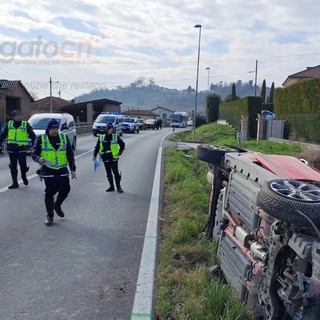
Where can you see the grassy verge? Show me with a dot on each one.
(185, 287)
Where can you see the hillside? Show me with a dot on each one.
(141, 96)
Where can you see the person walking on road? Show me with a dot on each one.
(18, 133)
(110, 146)
(54, 153)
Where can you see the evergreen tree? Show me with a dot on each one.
(212, 107)
(271, 94)
(263, 91)
(233, 92)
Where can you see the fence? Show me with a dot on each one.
(84, 127)
(304, 127)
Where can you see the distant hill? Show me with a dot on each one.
(141, 96)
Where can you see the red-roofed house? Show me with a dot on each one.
(43, 105)
(144, 114)
(309, 73)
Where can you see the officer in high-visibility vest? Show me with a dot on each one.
(110, 146)
(54, 153)
(18, 133)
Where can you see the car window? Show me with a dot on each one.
(130, 120)
(105, 119)
(40, 123)
(71, 123)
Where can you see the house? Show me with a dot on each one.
(14, 95)
(144, 114)
(309, 73)
(88, 111)
(164, 114)
(44, 105)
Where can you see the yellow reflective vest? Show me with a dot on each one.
(114, 145)
(55, 159)
(19, 135)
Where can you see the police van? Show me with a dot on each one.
(103, 119)
(39, 123)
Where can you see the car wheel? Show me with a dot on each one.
(94, 133)
(282, 199)
(138, 131)
(212, 154)
(74, 143)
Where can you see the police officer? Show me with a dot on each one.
(110, 146)
(54, 153)
(17, 133)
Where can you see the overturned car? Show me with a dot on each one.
(264, 211)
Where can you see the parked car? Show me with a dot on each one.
(189, 123)
(264, 212)
(142, 124)
(39, 123)
(103, 119)
(131, 125)
(151, 124)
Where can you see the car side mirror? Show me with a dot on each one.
(64, 127)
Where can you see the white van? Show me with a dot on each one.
(103, 119)
(39, 123)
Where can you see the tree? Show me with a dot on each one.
(263, 91)
(233, 96)
(233, 92)
(139, 81)
(271, 94)
(212, 107)
(189, 90)
(151, 82)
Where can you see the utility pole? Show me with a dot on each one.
(255, 79)
(50, 82)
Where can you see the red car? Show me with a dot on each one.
(264, 212)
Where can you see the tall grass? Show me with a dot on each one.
(185, 287)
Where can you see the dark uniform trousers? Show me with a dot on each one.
(56, 184)
(17, 154)
(112, 167)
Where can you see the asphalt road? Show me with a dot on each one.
(86, 265)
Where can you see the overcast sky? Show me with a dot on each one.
(83, 45)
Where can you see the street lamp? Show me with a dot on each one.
(199, 26)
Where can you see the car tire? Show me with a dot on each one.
(94, 133)
(212, 154)
(74, 143)
(282, 199)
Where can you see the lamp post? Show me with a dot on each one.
(199, 26)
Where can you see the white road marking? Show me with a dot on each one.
(35, 175)
(143, 300)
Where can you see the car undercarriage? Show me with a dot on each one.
(264, 212)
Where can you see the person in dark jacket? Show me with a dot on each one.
(54, 153)
(110, 146)
(17, 133)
